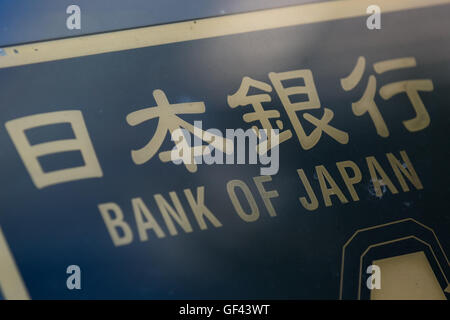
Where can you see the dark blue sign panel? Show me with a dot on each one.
(93, 205)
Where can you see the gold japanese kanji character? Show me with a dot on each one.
(411, 87)
(242, 98)
(312, 102)
(30, 153)
(259, 114)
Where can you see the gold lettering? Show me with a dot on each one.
(266, 195)
(308, 205)
(199, 209)
(169, 213)
(254, 211)
(145, 220)
(408, 171)
(350, 181)
(375, 167)
(323, 175)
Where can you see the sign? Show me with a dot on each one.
(100, 198)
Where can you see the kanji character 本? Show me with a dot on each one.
(241, 98)
(169, 121)
(411, 87)
(30, 153)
